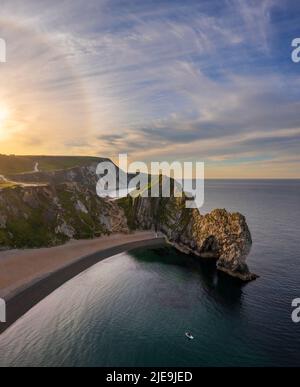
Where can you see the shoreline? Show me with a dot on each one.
(29, 291)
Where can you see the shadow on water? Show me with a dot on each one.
(224, 290)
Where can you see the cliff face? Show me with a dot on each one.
(49, 215)
(219, 235)
(67, 207)
(84, 175)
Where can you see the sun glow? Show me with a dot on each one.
(4, 116)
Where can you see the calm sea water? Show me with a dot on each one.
(133, 309)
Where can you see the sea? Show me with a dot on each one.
(133, 309)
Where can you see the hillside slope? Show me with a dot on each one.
(67, 207)
(10, 165)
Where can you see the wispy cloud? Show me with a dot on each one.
(157, 79)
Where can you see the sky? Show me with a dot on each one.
(193, 80)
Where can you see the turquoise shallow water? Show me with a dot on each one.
(133, 309)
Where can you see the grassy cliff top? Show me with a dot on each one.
(21, 164)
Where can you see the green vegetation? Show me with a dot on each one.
(10, 165)
(83, 223)
(4, 239)
(52, 163)
(127, 204)
(26, 226)
(7, 184)
(44, 216)
(30, 233)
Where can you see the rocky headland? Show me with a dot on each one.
(62, 204)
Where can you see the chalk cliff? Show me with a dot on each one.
(218, 235)
(66, 206)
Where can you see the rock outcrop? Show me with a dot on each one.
(67, 207)
(49, 215)
(218, 235)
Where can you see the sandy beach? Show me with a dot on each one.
(28, 276)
